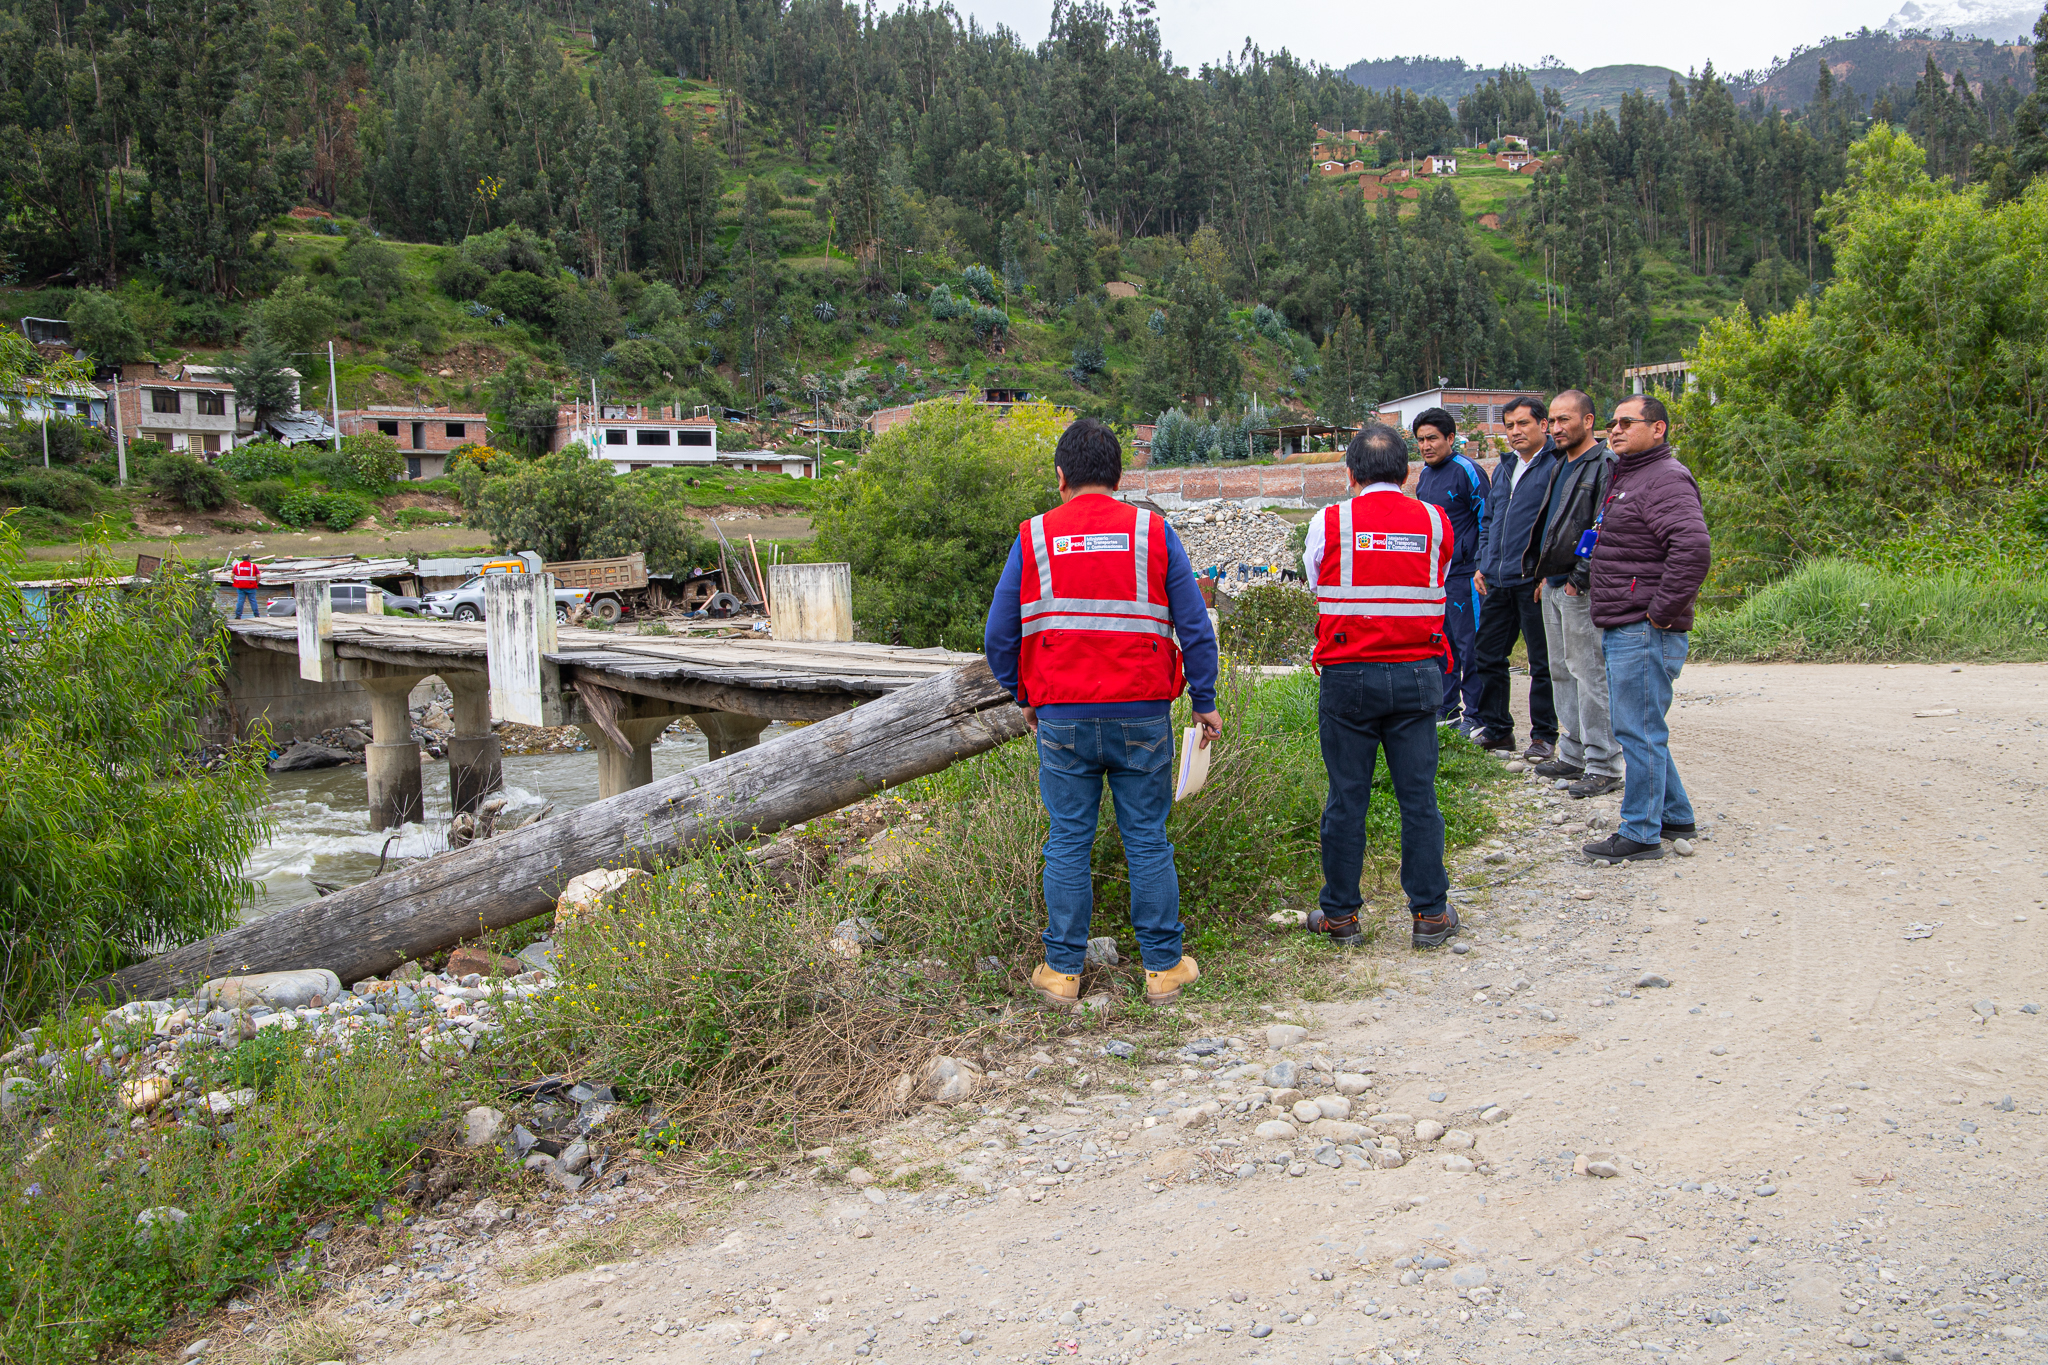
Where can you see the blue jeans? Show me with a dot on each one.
(1137, 757)
(1461, 625)
(246, 597)
(1642, 663)
(1364, 708)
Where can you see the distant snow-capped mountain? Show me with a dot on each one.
(1999, 20)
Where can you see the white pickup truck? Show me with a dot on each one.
(466, 603)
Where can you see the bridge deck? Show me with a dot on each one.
(750, 675)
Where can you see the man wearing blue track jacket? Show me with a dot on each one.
(1458, 486)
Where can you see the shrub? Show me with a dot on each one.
(1268, 323)
(339, 511)
(112, 846)
(409, 517)
(257, 460)
(268, 494)
(945, 306)
(191, 482)
(373, 460)
(104, 327)
(299, 509)
(569, 506)
(981, 283)
(59, 490)
(1270, 623)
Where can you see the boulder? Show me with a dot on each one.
(1339, 1130)
(947, 1080)
(1102, 952)
(1280, 1036)
(144, 1093)
(483, 962)
(482, 1126)
(1275, 1130)
(279, 990)
(305, 755)
(885, 854)
(1351, 1084)
(594, 891)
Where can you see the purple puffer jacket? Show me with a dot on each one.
(1653, 551)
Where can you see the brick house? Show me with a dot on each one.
(425, 436)
(185, 407)
(1440, 165)
(1513, 160)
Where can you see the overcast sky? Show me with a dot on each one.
(1734, 34)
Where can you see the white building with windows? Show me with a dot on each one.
(631, 436)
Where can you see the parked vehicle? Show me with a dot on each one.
(353, 597)
(466, 603)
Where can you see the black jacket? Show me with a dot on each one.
(1585, 490)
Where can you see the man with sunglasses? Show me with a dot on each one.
(1651, 556)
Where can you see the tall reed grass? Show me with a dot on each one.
(1836, 611)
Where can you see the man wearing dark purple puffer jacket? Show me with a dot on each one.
(1648, 564)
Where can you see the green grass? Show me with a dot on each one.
(1834, 611)
(79, 1279)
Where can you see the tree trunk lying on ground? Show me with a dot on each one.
(370, 929)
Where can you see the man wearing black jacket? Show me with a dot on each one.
(1507, 587)
(1586, 751)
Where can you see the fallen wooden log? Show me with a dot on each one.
(370, 929)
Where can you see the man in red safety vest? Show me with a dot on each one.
(1377, 562)
(246, 578)
(1096, 625)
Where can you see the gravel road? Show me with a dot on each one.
(1826, 1132)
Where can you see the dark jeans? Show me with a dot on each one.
(1506, 612)
(1642, 663)
(1363, 709)
(1461, 625)
(1136, 756)
(246, 596)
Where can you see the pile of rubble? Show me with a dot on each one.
(1227, 536)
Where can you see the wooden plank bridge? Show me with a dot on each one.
(520, 665)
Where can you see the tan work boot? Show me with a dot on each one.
(1058, 987)
(1163, 988)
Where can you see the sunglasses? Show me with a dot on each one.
(1624, 423)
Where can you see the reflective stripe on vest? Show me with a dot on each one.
(1134, 615)
(1347, 598)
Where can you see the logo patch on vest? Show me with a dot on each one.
(1071, 545)
(1392, 540)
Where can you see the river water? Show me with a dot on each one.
(321, 821)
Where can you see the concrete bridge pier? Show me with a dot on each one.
(728, 732)
(639, 721)
(475, 765)
(391, 762)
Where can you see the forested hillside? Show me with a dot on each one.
(781, 206)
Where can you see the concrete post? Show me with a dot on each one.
(475, 766)
(519, 627)
(314, 602)
(728, 733)
(811, 601)
(391, 761)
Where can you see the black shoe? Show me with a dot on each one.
(1432, 931)
(1619, 848)
(1677, 831)
(1492, 742)
(1592, 784)
(1539, 751)
(1557, 767)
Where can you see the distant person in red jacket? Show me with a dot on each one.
(1652, 556)
(247, 578)
(1379, 563)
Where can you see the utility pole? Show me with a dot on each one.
(333, 394)
(120, 437)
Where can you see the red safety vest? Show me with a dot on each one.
(246, 575)
(1380, 586)
(1097, 625)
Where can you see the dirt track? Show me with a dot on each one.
(1816, 1158)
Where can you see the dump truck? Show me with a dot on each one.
(622, 586)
